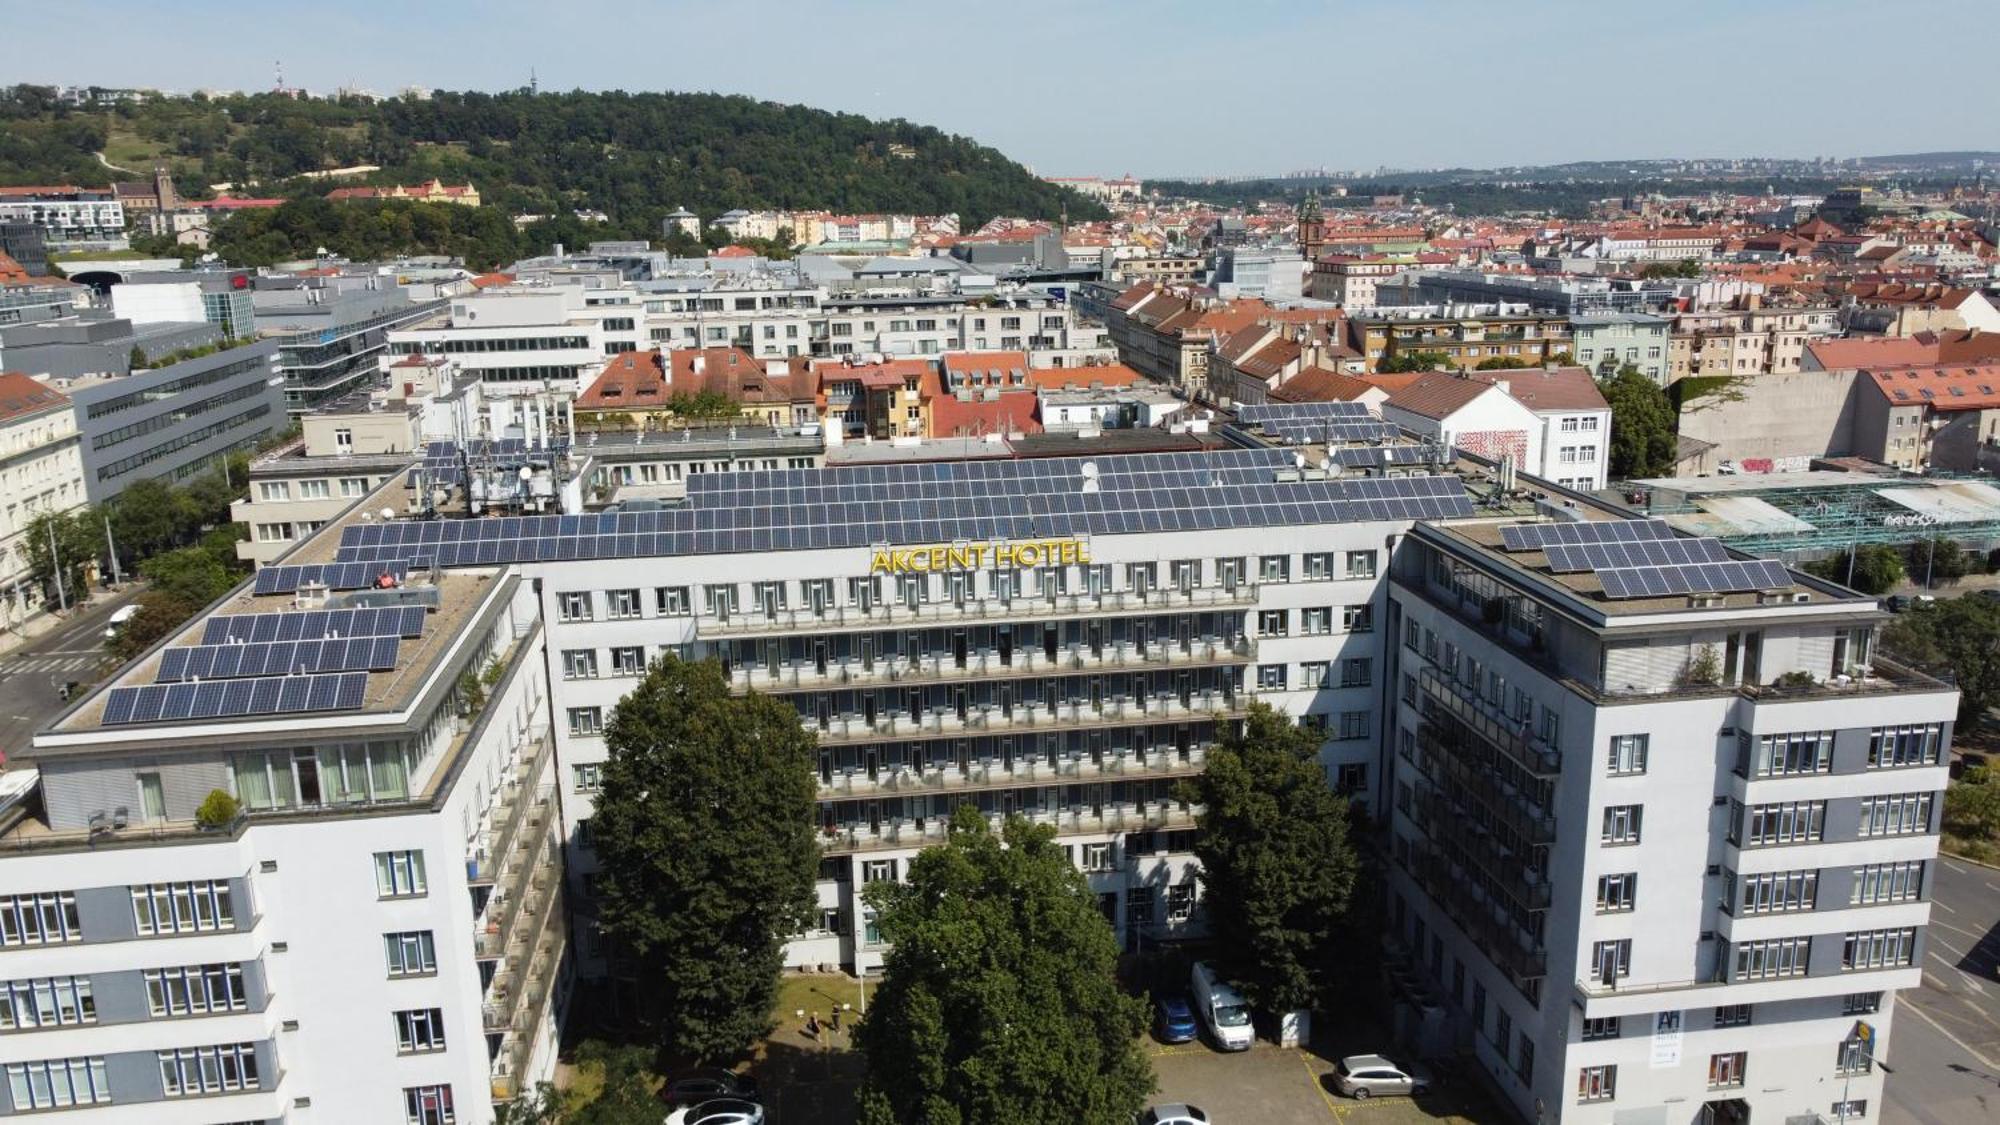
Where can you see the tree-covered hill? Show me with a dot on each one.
(633, 156)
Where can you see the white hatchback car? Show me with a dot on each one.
(1174, 1115)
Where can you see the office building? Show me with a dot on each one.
(174, 421)
(68, 216)
(220, 297)
(331, 332)
(40, 471)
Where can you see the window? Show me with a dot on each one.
(1503, 1029)
(46, 1002)
(878, 871)
(1274, 568)
(1917, 745)
(274, 491)
(48, 918)
(1778, 891)
(1358, 618)
(1606, 1027)
(195, 990)
(586, 721)
(573, 605)
(1351, 777)
(1878, 949)
(587, 778)
(1902, 814)
(273, 532)
(1273, 622)
(1733, 1015)
(1597, 1083)
(1317, 565)
(428, 1105)
(672, 601)
(579, 664)
(420, 1029)
(1628, 754)
(183, 908)
(1180, 902)
(1316, 621)
(351, 487)
(1726, 1070)
(1852, 1107)
(1771, 958)
(54, 1083)
(411, 953)
(1524, 1059)
(1621, 824)
(1887, 882)
(1185, 574)
(399, 874)
(1612, 959)
(623, 603)
(1353, 725)
(1271, 677)
(1795, 822)
(1860, 1003)
(209, 1070)
(1616, 893)
(315, 489)
(628, 661)
(1096, 857)
(1361, 564)
(1787, 755)
(1356, 671)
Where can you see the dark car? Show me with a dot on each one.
(720, 1111)
(712, 1082)
(1897, 603)
(1173, 1019)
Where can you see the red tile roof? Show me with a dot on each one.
(1940, 388)
(22, 395)
(1439, 393)
(1888, 350)
(637, 380)
(1317, 384)
(1083, 378)
(1008, 412)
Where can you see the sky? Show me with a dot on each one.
(1155, 88)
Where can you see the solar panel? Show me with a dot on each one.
(149, 703)
(1575, 558)
(1286, 411)
(313, 624)
(1535, 536)
(335, 575)
(281, 658)
(1699, 578)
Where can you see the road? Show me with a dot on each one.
(31, 678)
(1944, 1049)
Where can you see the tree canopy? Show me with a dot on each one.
(998, 1003)
(1276, 866)
(1643, 425)
(1955, 637)
(1415, 361)
(1874, 568)
(704, 830)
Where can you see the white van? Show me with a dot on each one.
(123, 614)
(1221, 1008)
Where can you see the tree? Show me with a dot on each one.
(77, 540)
(999, 1002)
(1972, 805)
(1415, 361)
(1955, 637)
(191, 575)
(1938, 559)
(1686, 267)
(1502, 363)
(1874, 569)
(148, 517)
(704, 831)
(1276, 865)
(1643, 425)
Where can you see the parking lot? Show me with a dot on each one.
(1275, 1084)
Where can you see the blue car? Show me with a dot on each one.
(1173, 1019)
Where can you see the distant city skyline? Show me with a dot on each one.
(1165, 89)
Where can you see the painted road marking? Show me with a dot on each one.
(1962, 1044)
(1324, 1096)
(1953, 866)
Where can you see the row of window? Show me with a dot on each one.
(280, 491)
(1317, 621)
(1352, 672)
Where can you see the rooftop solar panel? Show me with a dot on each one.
(315, 624)
(281, 658)
(1579, 557)
(1535, 536)
(149, 703)
(1698, 578)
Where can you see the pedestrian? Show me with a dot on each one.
(812, 1026)
(836, 1021)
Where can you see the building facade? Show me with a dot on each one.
(41, 471)
(1606, 342)
(177, 420)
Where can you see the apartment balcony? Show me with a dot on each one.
(1213, 705)
(1512, 736)
(1026, 663)
(993, 773)
(529, 879)
(1488, 922)
(906, 832)
(517, 1011)
(524, 801)
(1625, 996)
(1480, 794)
(842, 619)
(1476, 857)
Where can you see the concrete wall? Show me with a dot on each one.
(1797, 414)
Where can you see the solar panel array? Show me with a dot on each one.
(799, 509)
(1701, 578)
(280, 658)
(224, 699)
(1572, 558)
(442, 456)
(315, 624)
(1300, 411)
(1310, 431)
(337, 576)
(1377, 456)
(1535, 536)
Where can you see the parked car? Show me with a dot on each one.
(1896, 603)
(710, 1082)
(1173, 1019)
(1173, 1115)
(719, 1111)
(1366, 1076)
(1990, 594)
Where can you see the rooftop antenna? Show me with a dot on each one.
(279, 66)
(534, 86)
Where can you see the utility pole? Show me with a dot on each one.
(111, 545)
(55, 557)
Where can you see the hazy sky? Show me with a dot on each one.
(1078, 87)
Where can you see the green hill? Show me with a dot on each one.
(633, 156)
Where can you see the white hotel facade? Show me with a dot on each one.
(1078, 688)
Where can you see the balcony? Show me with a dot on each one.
(1486, 720)
(521, 1027)
(905, 832)
(840, 619)
(522, 802)
(993, 773)
(1488, 922)
(1026, 663)
(1212, 704)
(528, 880)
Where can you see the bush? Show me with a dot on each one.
(218, 810)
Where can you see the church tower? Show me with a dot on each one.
(1310, 234)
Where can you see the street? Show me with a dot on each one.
(31, 678)
(1945, 1046)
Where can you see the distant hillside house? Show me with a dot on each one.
(430, 191)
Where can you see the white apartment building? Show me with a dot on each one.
(1551, 421)
(379, 936)
(41, 470)
(1653, 856)
(529, 339)
(66, 215)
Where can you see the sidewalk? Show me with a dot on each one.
(42, 624)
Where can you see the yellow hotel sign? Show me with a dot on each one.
(972, 556)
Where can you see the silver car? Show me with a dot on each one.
(1178, 1114)
(1364, 1076)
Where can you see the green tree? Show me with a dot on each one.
(148, 517)
(1972, 805)
(159, 615)
(1502, 363)
(1643, 425)
(1875, 568)
(704, 831)
(75, 538)
(1415, 361)
(1938, 559)
(626, 1096)
(190, 574)
(999, 1003)
(1958, 638)
(1276, 865)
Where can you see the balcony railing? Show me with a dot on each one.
(909, 833)
(990, 718)
(523, 1028)
(1510, 735)
(985, 665)
(520, 795)
(1023, 607)
(528, 881)
(993, 773)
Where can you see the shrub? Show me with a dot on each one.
(218, 810)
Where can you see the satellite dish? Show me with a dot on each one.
(388, 513)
